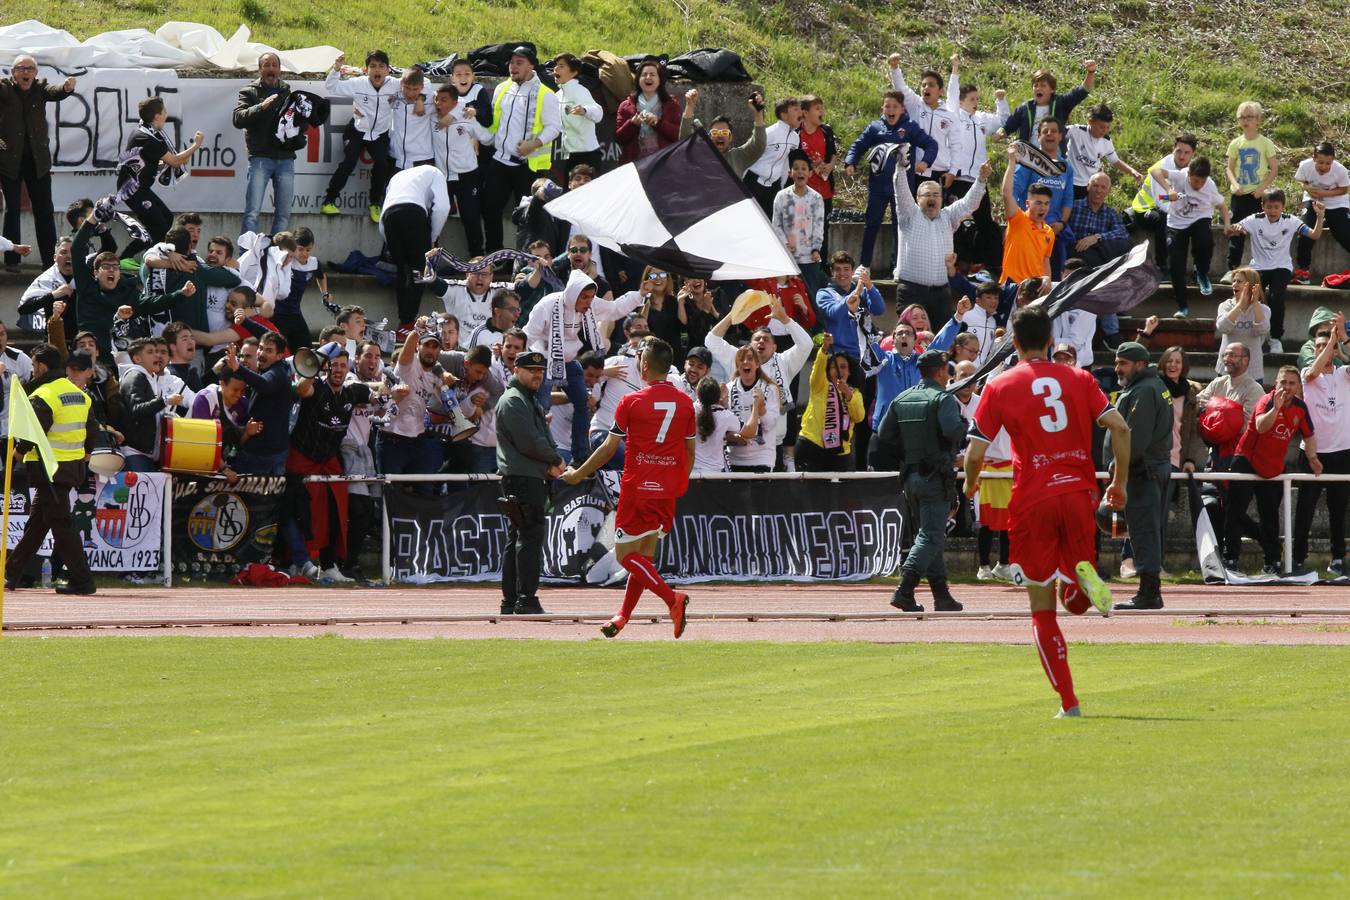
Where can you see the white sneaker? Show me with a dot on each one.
(1003, 572)
(1276, 346)
(1072, 712)
(985, 573)
(1227, 277)
(1127, 569)
(308, 570)
(334, 576)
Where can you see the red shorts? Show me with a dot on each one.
(1047, 540)
(637, 518)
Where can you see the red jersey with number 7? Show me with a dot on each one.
(1049, 410)
(655, 422)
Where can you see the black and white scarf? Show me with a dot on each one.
(443, 263)
(775, 368)
(590, 333)
(1037, 161)
(734, 392)
(867, 333)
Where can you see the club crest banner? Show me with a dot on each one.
(120, 520)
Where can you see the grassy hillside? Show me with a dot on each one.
(1164, 66)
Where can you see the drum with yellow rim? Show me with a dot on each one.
(190, 445)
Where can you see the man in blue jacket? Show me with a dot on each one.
(273, 397)
(847, 306)
(881, 145)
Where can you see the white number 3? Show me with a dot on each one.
(669, 410)
(1058, 419)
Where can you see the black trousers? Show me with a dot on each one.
(1338, 498)
(362, 520)
(935, 300)
(503, 186)
(1268, 495)
(1275, 282)
(1152, 222)
(1195, 240)
(811, 457)
(467, 189)
(294, 329)
(51, 512)
(40, 198)
(1337, 222)
(407, 234)
(1241, 206)
(763, 194)
(523, 557)
(978, 239)
(353, 142)
(152, 212)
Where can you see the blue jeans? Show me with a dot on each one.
(575, 388)
(280, 174)
(246, 463)
(412, 456)
(483, 460)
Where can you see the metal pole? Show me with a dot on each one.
(1287, 515)
(386, 563)
(166, 554)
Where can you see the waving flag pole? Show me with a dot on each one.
(23, 423)
(682, 210)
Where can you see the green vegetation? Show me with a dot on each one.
(328, 767)
(1165, 66)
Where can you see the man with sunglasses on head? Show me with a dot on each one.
(738, 158)
(579, 256)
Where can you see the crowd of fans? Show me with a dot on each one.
(214, 327)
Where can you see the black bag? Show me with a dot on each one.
(495, 59)
(708, 64)
(636, 60)
(438, 68)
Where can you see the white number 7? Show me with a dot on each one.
(1058, 419)
(669, 410)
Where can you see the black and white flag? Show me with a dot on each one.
(683, 210)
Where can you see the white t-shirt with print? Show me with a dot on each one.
(1337, 177)
(1272, 241)
(1328, 399)
(710, 452)
(1191, 206)
(1087, 153)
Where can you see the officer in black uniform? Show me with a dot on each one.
(921, 431)
(1147, 408)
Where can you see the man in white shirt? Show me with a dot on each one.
(505, 305)
(54, 283)
(1324, 181)
(525, 122)
(372, 116)
(1326, 392)
(470, 300)
(557, 326)
(924, 229)
(1237, 384)
(1273, 232)
(1090, 145)
(768, 174)
(416, 208)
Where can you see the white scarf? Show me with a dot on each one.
(590, 332)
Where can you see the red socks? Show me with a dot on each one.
(1074, 600)
(642, 575)
(1054, 655)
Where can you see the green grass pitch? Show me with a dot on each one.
(327, 767)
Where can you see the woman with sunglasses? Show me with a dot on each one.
(662, 311)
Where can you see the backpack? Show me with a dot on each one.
(708, 64)
(495, 59)
(616, 79)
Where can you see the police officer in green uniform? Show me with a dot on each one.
(1147, 408)
(921, 431)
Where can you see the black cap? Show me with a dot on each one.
(80, 362)
(701, 353)
(432, 338)
(531, 359)
(1132, 351)
(527, 51)
(931, 359)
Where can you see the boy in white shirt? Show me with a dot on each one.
(980, 239)
(372, 116)
(933, 117)
(1193, 197)
(1090, 145)
(410, 133)
(1272, 232)
(454, 144)
(1324, 181)
(799, 219)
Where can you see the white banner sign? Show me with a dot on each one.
(89, 131)
(120, 521)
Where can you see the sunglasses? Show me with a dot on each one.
(109, 267)
(573, 251)
(720, 132)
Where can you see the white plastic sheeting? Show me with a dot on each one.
(172, 45)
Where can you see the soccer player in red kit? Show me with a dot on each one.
(1049, 411)
(658, 426)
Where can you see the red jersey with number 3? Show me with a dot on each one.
(655, 422)
(1049, 410)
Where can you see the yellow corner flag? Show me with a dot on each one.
(24, 426)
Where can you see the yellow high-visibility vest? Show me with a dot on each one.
(542, 159)
(70, 419)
